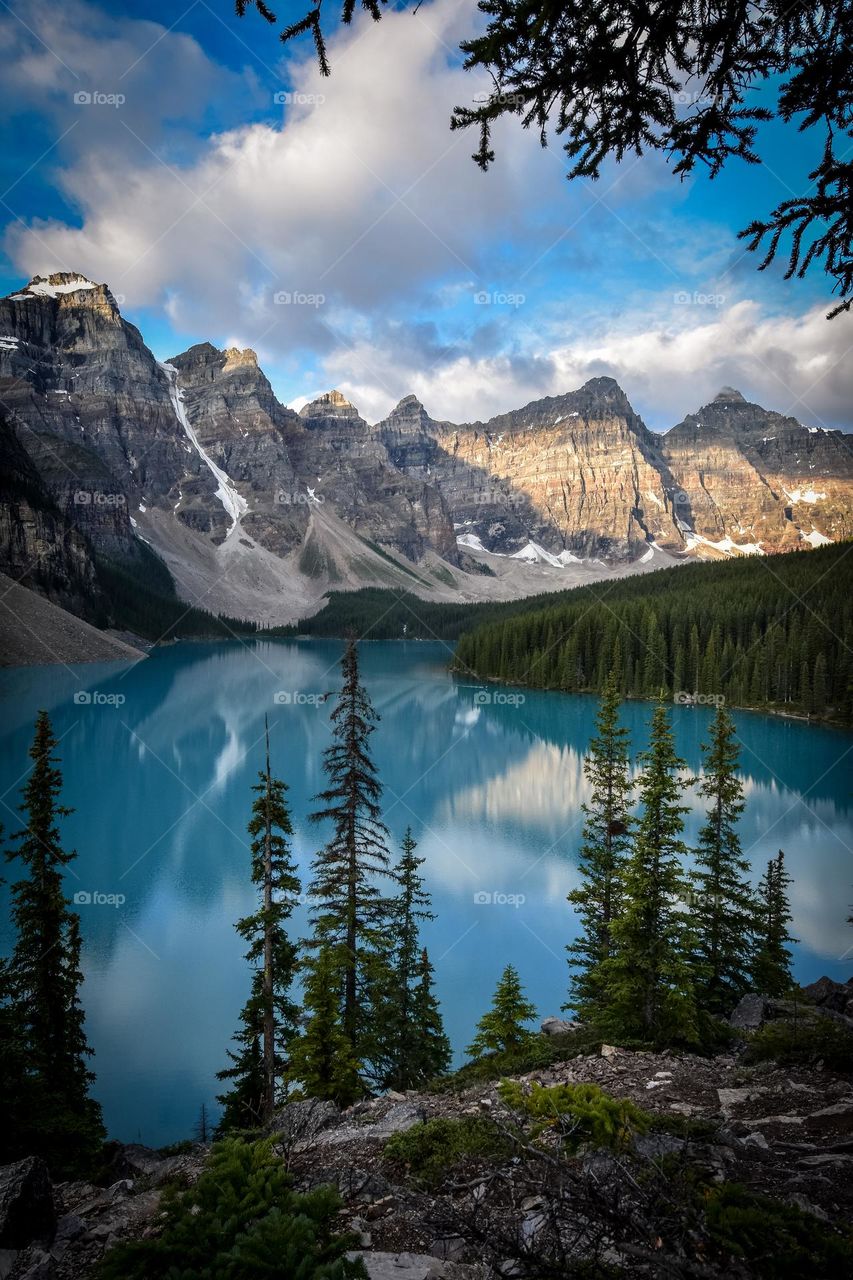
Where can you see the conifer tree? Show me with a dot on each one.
(649, 992)
(771, 964)
(268, 1019)
(431, 1051)
(723, 904)
(405, 1040)
(502, 1028)
(606, 838)
(43, 976)
(351, 913)
(322, 1062)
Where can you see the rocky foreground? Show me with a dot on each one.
(780, 1131)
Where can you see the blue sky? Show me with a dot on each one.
(201, 197)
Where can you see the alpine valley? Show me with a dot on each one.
(259, 511)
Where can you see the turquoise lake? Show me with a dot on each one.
(491, 785)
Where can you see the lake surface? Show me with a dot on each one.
(491, 785)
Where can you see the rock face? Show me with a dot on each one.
(249, 501)
(749, 475)
(577, 474)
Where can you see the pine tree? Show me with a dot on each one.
(399, 1044)
(722, 908)
(430, 1055)
(502, 1029)
(322, 1062)
(268, 1019)
(44, 976)
(649, 993)
(351, 913)
(606, 839)
(771, 964)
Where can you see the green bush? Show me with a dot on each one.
(582, 1113)
(240, 1219)
(800, 1043)
(432, 1148)
(778, 1241)
(540, 1052)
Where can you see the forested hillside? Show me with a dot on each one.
(774, 633)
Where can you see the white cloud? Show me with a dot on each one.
(360, 204)
(798, 365)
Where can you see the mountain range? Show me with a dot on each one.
(259, 511)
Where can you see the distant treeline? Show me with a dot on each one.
(769, 632)
(142, 599)
(374, 613)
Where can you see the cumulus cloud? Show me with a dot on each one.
(346, 235)
(668, 364)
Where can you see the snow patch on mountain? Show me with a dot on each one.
(804, 495)
(39, 288)
(233, 502)
(726, 545)
(816, 538)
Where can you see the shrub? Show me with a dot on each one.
(778, 1241)
(240, 1219)
(431, 1148)
(800, 1043)
(582, 1113)
(540, 1052)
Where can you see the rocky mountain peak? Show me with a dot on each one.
(329, 405)
(57, 285)
(236, 356)
(728, 395)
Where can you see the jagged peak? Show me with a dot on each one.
(56, 285)
(329, 404)
(238, 356)
(408, 405)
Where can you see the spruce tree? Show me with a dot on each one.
(771, 963)
(649, 992)
(431, 1052)
(606, 839)
(268, 1019)
(407, 1038)
(351, 913)
(322, 1062)
(44, 977)
(723, 905)
(502, 1028)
